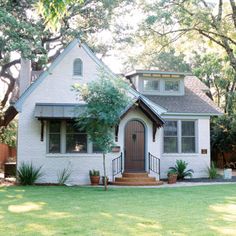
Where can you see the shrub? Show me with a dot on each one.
(27, 174)
(180, 168)
(171, 172)
(212, 171)
(94, 173)
(63, 176)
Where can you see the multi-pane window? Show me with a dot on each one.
(171, 86)
(171, 137)
(54, 137)
(150, 85)
(76, 139)
(78, 67)
(188, 137)
(66, 137)
(96, 149)
(179, 137)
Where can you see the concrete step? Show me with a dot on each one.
(135, 174)
(135, 179)
(154, 183)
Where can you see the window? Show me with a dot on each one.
(76, 140)
(96, 149)
(171, 137)
(179, 137)
(188, 137)
(171, 86)
(54, 137)
(65, 137)
(78, 67)
(150, 85)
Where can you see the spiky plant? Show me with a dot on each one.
(63, 176)
(180, 168)
(27, 174)
(212, 171)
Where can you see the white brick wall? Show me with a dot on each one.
(56, 88)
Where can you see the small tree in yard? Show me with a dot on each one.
(106, 98)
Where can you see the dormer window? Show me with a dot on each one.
(151, 85)
(78, 67)
(172, 86)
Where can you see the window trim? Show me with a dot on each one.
(171, 91)
(81, 64)
(151, 79)
(63, 143)
(179, 135)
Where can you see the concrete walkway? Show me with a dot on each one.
(165, 185)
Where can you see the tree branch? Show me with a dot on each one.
(233, 6)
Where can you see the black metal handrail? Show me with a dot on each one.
(117, 165)
(154, 164)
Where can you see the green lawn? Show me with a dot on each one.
(206, 210)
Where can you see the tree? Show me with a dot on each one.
(106, 98)
(150, 58)
(219, 76)
(23, 33)
(223, 134)
(193, 20)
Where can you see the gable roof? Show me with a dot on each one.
(18, 104)
(148, 110)
(194, 101)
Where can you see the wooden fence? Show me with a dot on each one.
(6, 153)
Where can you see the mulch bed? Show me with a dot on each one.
(206, 180)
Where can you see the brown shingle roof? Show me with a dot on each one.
(195, 99)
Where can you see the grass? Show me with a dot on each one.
(41, 210)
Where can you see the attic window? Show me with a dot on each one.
(150, 85)
(78, 67)
(172, 86)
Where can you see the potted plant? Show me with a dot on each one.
(94, 177)
(172, 177)
(181, 170)
(103, 180)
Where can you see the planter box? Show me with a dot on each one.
(172, 179)
(116, 149)
(94, 180)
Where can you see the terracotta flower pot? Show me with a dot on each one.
(172, 178)
(94, 180)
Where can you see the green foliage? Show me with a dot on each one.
(27, 174)
(53, 11)
(63, 176)
(212, 171)
(94, 173)
(223, 133)
(171, 172)
(106, 98)
(150, 57)
(215, 71)
(8, 134)
(180, 168)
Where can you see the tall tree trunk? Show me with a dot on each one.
(104, 171)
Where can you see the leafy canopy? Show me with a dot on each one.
(106, 98)
(223, 133)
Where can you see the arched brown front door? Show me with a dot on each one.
(134, 146)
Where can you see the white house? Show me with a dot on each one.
(170, 120)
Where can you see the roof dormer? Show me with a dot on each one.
(153, 82)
